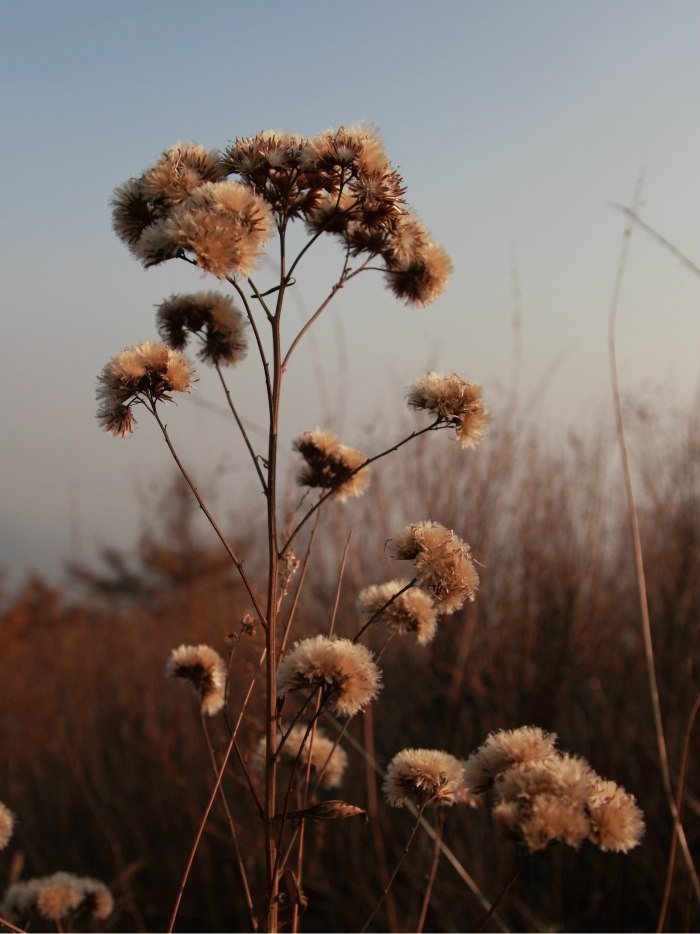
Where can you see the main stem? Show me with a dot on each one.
(272, 602)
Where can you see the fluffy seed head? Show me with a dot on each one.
(7, 825)
(204, 669)
(212, 317)
(454, 400)
(412, 611)
(97, 898)
(131, 213)
(322, 748)
(421, 775)
(338, 663)
(616, 823)
(149, 370)
(423, 278)
(180, 170)
(504, 749)
(330, 464)
(442, 563)
(58, 895)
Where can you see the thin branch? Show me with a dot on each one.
(212, 798)
(260, 298)
(382, 608)
(340, 581)
(439, 826)
(288, 624)
(344, 277)
(258, 341)
(11, 926)
(295, 720)
(256, 460)
(518, 870)
(212, 521)
(638, 556)
(398, 866)
(434, 426)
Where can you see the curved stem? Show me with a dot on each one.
(212, 521)
(256, 462)
(258, 341)
(398, 866)
(435, 426)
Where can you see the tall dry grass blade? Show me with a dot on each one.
(340, 582)
(638, 556)
(11, 926)
(635, 218)
(679, 804)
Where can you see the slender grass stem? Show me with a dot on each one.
(340, 581)
(302, 577)
(8, 924)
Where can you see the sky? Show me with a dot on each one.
(515, 125)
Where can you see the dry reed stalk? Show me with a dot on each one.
(439, 827)
(638, 556)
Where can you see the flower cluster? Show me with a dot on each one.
(442, 563)
(424, 776)
(333, 767)
(144, 371)
(7, 825)
(330, 464)
(339, 182)
(184, 205)
(339, 664)
(203, 668)
(213, 318)
(541, 795)
(57, 897)
(412, 611)
(454, 400)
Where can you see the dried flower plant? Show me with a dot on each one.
(424, 775)
(328, 759)
(57, 897)
(331, 465)
(454, 400)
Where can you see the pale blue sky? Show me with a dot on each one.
(512, 123)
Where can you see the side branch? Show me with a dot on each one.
(382, 608)
(243, 431)
(212, 521)
(261, 349)
(435, 426)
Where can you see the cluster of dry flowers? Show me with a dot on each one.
(55, 898)
(341, 183)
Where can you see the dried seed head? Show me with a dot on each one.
(330, 465)
(423, 775)
(442, 563)
(7, 825)
(320, 751)
(180, 170)
(528, 744)
(616, 823)
(204, 669)
(338, 663)
(213, 318)
(423, 278)
(454, 400)
(411, 611)
(151, 371)
(57, 896)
